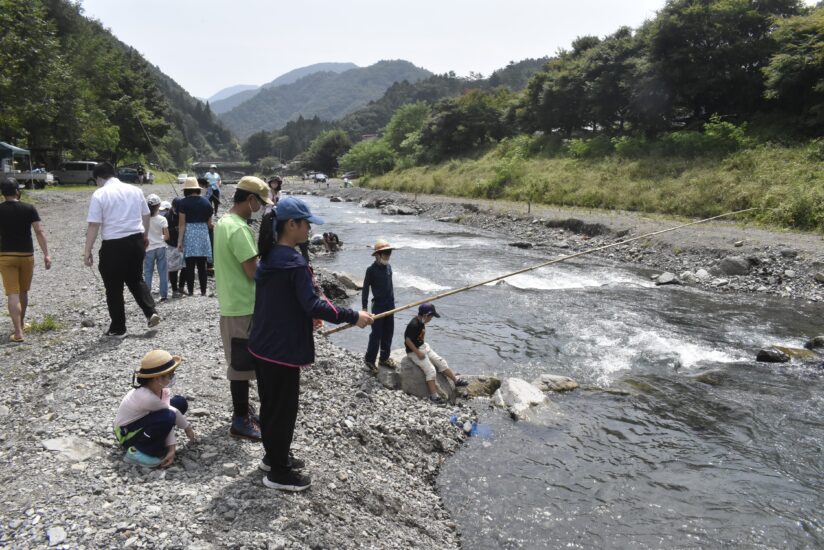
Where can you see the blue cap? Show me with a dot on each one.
(427, 309)
(290, 208)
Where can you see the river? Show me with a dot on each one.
(667, 461)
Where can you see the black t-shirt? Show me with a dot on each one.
(15, 226)
(415, 331)
(196, 208)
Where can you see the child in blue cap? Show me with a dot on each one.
(420, 353)
(281, 341)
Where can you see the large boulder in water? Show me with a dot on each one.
(667, 278)
(349, 281)
(518, 396)
(815, 343)
(772, 355)
(413, 382)
(798, 353)
(553, 382)
(479, 386)
(734, 265)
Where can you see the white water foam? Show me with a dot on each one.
(372, 221)
(421, 243)
(406, 280)
(558, 279)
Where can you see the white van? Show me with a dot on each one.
(75, 171)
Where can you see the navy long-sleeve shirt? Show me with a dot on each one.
(285, 304)
(378, 279)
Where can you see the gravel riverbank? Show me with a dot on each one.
(721, 256)
(373, 454)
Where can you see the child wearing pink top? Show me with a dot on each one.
(148, 414)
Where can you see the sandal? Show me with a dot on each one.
(15, 339)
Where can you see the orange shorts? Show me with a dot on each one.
(17, 272)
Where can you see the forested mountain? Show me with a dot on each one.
(374, 116)
(69, 87)
(228, 102)
(325, 94)
(230, 91)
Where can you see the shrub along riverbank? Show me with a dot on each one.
(785, 183)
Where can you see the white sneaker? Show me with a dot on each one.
(154, 320)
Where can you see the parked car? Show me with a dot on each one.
(319, 177)
(127, 175)
(75, 171)
(181, 178)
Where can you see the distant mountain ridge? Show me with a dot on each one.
(228, 101)
(230, 91)
(327, 95)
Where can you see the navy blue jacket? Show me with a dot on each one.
(285, 304)
(379, 278)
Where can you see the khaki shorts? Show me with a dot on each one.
(235, 327)
(17, 272)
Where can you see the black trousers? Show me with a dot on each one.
(121, 262)
(380, 339)
(177, 284)
(278, 388)
(200, 262)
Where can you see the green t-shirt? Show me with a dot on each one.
(234, 244)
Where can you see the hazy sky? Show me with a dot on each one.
(207, 45)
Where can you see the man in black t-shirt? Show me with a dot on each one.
(17, 252)
(420, 353)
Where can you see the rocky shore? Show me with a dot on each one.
(719, 256)
(373, 454)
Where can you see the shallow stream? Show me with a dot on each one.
(666, 462)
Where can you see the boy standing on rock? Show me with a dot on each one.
(235, 264)
(378, 279)
(281, 340)
(420, 353)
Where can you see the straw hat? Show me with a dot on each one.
(191, 183)
(382, 246)
(254, 185)
(157, 363)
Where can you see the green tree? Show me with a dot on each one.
(709, 54)
(258, 145)
(795, 74)
(268, 165)
(326, 149)
(373, 156)
(406, 120)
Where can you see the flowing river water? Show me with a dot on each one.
(668, 461)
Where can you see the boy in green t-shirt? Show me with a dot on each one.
(235, 265)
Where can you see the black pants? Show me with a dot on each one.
(177, 284)
(200, 262)
(278, 388)
(121, 262)
(215, 199)
(381, 336)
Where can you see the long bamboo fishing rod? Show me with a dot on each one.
(531, 268)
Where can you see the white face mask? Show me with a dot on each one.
(172, 381)
(383, 261)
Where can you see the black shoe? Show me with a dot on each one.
(293, 463)
(285, 479)
(436, 399)
(461, 382)
(115, 333)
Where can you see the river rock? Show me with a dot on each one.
(407, 211)
(413, 382)
(798, 353)
(789, 273)
(390, 210)
(702, 274)
(667, 278)
(349, 281)
(688, 277)
(56, 535)
(789, 253)
(714, 377)
(521, 244)
(71, 448)
(335, 199)
(479, 386)
(553, 382)
(815, 343)
(772, 355)
(517, 395)
(389, 378)
(734, 265)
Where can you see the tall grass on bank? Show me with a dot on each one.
(785, 183)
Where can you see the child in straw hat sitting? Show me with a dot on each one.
(147, 416)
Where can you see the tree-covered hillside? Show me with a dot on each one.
(325, 94)
(69, 87)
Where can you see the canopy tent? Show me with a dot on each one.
(8, 151)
